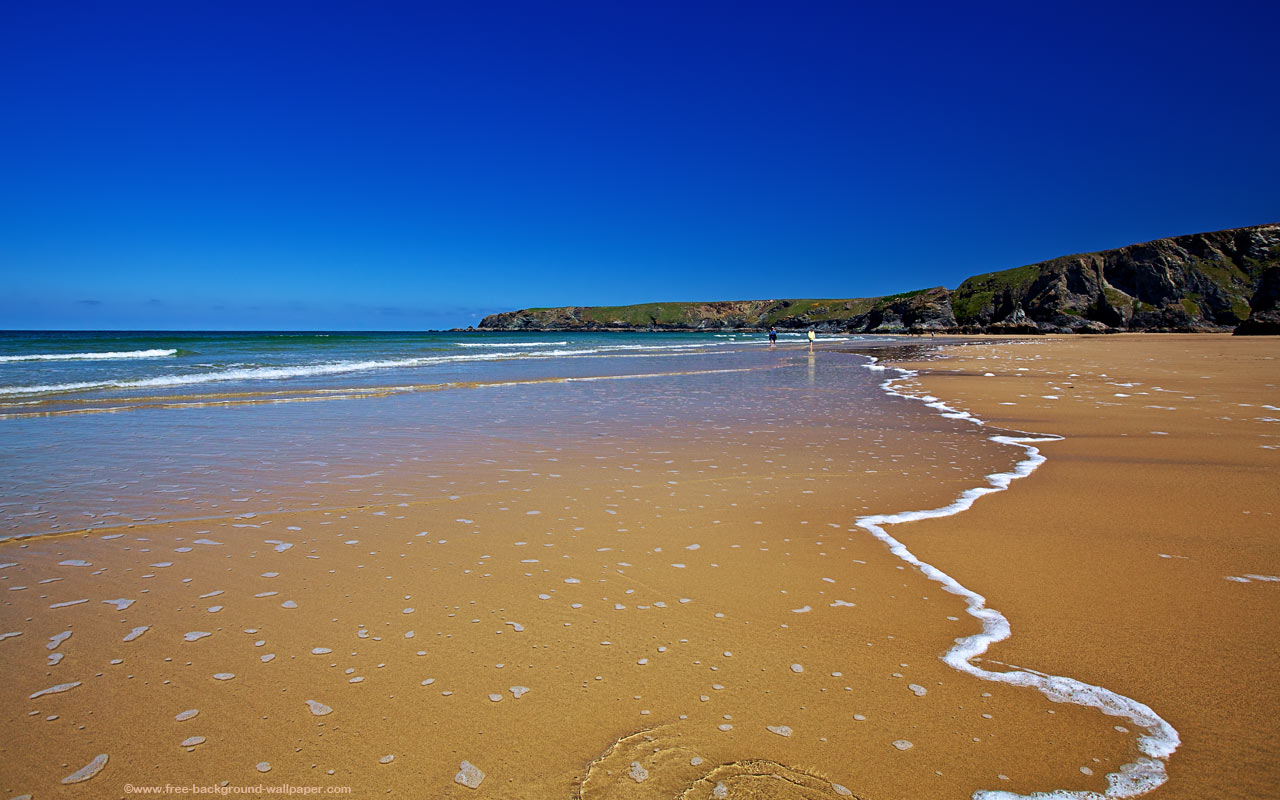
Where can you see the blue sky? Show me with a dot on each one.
(416, 165)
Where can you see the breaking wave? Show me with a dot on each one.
(90, 356)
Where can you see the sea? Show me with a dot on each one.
(100, 429)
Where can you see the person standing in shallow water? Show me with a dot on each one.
(773, 336)
(812, 338)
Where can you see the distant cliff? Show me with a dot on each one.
(1200, 282)
(925, 309)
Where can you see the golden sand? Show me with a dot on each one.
(643, 618)
(1142, 555)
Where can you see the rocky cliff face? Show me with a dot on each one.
(1200, 282)
(1265, 305)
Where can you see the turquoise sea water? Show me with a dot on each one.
(99, 429)
(45, 369)
(44, 372)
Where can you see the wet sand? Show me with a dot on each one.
(626, 615)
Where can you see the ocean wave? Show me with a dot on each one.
(90, 356)
(243, 372)
(253, 372)
(250, 374)
(607, 349)
(509, 344)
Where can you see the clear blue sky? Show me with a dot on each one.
(411, 165)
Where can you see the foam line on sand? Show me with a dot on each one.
(1159, 739)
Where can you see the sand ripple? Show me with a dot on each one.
(654, 764)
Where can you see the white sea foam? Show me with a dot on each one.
(469, 775)
(637, 772)
(263, 373)
(586, 352)
(508, 344)
(108, 356)
(319, 709)
(60, 688)
(250, 374)
(1159, 741)
(88, 770)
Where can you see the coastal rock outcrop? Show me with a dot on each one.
(1265, 304)
(1212, 281)
(1198, 282)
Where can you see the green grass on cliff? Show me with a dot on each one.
(1236, 280)
(969, 298)
(756, 312)
(639, 315)
(818, 310)
(1117, 298)
(1226, 274)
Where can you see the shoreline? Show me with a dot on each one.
(1160, 740)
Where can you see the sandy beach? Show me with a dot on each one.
(1142, 555)
(689, 609)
